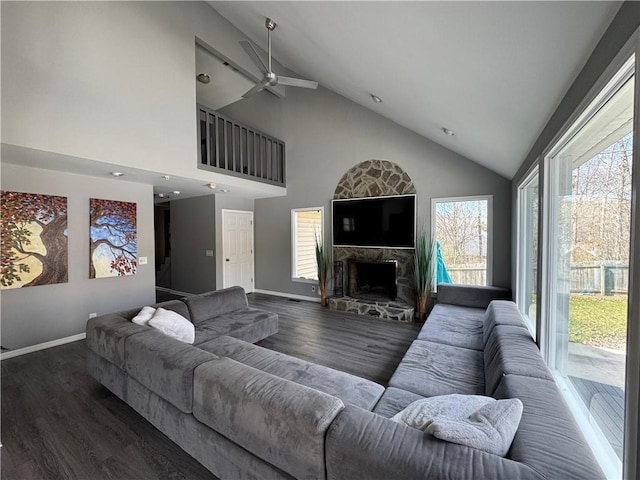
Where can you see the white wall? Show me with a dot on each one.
(40, 314)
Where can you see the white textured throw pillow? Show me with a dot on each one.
(490, 429)
(472, 420)
(173, 324)
(144, 315)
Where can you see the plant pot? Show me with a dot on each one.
(323, 296)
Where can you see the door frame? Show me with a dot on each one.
(223, 212)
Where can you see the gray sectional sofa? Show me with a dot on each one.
(248, 412)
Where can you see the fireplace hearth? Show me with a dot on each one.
(373, 281)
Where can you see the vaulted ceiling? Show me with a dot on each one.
(491, 72)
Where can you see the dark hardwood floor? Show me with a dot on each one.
(59, 423)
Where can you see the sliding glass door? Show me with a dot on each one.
(587, 246)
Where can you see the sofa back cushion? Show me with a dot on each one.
(548, 439)
(164, 365)
(205, 306)
(470, 295)
(106, 336)
(280, 421)
(510, 350)
(501, 312)
(174, 305)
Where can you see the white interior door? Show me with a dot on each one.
(237, 249)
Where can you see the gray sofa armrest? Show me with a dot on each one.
(363, 445)
(280, 421)
(212, 304)
(470, 295)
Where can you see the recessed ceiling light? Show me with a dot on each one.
(166, 177)
(448, 132)
(117, 174)
(375, 98)
(176, 192)
(161, 195)
(225, 190)
(212, 185)
(204, 78)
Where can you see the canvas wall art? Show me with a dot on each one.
(113, 238)
(34, 247)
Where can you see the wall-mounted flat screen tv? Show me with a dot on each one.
(375, 222)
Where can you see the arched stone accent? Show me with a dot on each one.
(374, 178)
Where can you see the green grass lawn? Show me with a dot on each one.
(598, 321)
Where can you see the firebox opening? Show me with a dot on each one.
(373, 281)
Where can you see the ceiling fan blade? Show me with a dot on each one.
(253, 54)
(296, 82)
(258, 87)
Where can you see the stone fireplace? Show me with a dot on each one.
(390, 298)
(372, 281)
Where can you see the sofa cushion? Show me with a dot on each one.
(548, 439)
(454, 325)
(282, 422)
(350, 389)
(164, 365)
(393, 400)
(364, 446)
(249, 324)
(470, 295)
(511, 351)
(211, 304)
(106, 336)
(501, 312)
(430, 369)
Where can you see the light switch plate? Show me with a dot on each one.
(208, 253)
(142, 260)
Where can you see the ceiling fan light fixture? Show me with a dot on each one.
(212, 186)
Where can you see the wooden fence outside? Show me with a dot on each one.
(603, 278)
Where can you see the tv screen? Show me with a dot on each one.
(375, 222)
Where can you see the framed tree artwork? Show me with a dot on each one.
(34, 247)
(113, 238)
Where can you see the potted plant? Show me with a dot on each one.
(323, 262)
(423, 262)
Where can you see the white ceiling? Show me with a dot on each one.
(493, 72)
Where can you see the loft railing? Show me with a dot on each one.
(232, 148)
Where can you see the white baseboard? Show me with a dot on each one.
(288, 295)
(41, 346)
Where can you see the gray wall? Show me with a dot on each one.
(192, 233)
(196, 226)
(326, 135)
(40, 314)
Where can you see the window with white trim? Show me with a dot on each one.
(306, 227)
(463, 232)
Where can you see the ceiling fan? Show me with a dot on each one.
(270, 79)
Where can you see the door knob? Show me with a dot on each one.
(226, 259)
